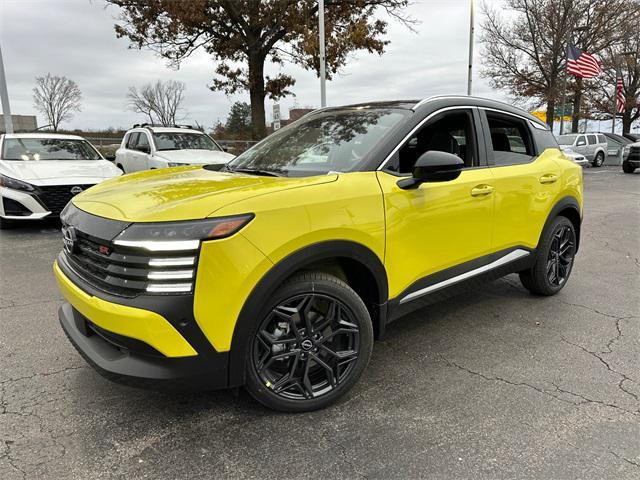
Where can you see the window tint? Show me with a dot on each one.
(133, 139)
(602, 139)
(592, 139)
(510, 140)
(143, 141)
(581, 141)
(450, 132)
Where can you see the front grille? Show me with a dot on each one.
(128, 272)
(55, 197)
(634, 153)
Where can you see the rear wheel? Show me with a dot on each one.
(627, 168)
(554, 259)
(599, 160)
(312, 343)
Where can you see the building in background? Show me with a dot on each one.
(22, 123)
(294, 114)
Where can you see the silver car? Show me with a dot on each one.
(592, 145)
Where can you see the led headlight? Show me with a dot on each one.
(179, 236)
(14, 184)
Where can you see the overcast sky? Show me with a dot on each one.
(75, 38)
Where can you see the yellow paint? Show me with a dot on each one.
(143, 325)
(435, 226)
(413, 232)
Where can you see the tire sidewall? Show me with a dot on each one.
(330, 286)
(543, 254)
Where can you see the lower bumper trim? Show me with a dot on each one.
(122, 366)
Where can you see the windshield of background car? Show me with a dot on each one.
(566, 139)
(184, 141)
(39, 149)
(332, 141)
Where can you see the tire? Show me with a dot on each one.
(599, 160)
(627, 168)
(282, 371)
(552, 268)
(5, 224)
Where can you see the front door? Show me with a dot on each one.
(438, 225)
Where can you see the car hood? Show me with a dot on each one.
(195, 156)
(53, 172)
(181, 193)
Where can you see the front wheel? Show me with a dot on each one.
(627, 168)
(599, 160)
(554, 259)
(310, 345)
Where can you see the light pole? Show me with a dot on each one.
(471, 32)
(323, 90)
(566, 75)
(4, 98)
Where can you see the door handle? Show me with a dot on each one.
(481, 190)
(548, 178)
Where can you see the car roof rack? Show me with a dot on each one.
(150, 126)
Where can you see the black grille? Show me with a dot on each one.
(117, 270)
(55, 197)
(634, 153)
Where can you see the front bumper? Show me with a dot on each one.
(139, 347)
(635, 163)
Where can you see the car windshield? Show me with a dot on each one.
(566, 139)
(39, 149)
(331, 141)
(184, 141)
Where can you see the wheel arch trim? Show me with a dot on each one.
(282, 270)
(565, 203)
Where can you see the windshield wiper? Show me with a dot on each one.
(257, 171)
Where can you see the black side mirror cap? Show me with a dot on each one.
(433, 166)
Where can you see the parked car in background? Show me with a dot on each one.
(632, 160)
(617, 144)
(576, 157)
(592, 145)
(147, 147)
(40, 173)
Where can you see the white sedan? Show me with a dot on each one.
(576, 157)
(40, 173)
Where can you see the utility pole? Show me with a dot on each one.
(471, 33)
(323, 90)
(4, 97)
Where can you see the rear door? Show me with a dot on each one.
(526, 180)
(592, 141)
(581, 145)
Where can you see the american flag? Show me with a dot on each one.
(582, 64)
(620, 94)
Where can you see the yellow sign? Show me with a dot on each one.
(542, 115)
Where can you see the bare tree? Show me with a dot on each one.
(160, 102)
(57, 98)
(525, 54)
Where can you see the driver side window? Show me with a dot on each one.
(450, 132)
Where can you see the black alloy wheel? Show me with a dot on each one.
(311, 345)
(554, 259)
(560, 258)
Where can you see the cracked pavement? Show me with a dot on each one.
(488, 385)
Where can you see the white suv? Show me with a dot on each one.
(147, 147)
(40, 172)
(592, 145)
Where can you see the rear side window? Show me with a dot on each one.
(510, 139)
(133, 140)
(602, 139)
(592, 139)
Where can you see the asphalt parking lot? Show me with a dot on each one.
(492, 384)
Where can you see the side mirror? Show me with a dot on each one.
(144, 148)
(433, 166)
(111, 157)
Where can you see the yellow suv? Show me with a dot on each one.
(277, 271)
